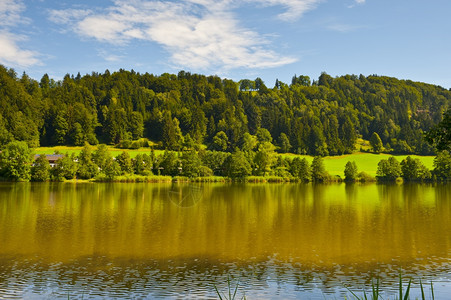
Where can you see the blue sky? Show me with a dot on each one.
(408, 39)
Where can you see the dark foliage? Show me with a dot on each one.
(320, 118)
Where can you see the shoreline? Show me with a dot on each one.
(221, 179)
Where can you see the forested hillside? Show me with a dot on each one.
(323, 117)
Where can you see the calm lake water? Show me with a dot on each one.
(180, 240)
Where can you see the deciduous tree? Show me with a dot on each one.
(237, 165)
(319, 173)
(40, 171)
(442, 165)
(388, 169)
(351, 171)
(15, 161)
(413, 169)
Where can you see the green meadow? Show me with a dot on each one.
(366, 162)
(114, 151)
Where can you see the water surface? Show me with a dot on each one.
(179, 240)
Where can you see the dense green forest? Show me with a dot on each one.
(183, 111)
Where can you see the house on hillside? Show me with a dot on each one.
(52, 158)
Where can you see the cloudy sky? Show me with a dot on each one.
(408, 39)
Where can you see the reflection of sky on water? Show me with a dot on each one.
(98, 277)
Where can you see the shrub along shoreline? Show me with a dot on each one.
(97, 164)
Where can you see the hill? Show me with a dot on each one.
(320, 117)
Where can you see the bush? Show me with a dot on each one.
(351, 171)
(365, 177)
(205, 171)
(65, 168)
(134, 178)
(135, 145)
(413, 169)
(40, 171)
(319, 173)
(442, 166)
(210, 179)
(388, 169)
(15, 161)
(124, 144)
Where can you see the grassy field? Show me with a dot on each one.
(334, 164)
(366, 162)
(76, 150)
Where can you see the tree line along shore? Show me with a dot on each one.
(211, 128)
(96, 163)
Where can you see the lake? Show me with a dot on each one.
(287, 241)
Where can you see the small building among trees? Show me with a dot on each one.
(52, 158)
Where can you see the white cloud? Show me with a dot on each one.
(110, 57)
(10, 11)
(197, 33)
(357, 2)
(11, 53)
(104, 29)
(294, 8)
(67, 16)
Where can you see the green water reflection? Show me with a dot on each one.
(330, 230)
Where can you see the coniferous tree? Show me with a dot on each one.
(168, 135)
(440, 134)
(348, 136)
(376, 143)
(5, 136)
(284, 143)
(61, 130)
(295, 167)
(136, 125)
(323, 118)
(305, 172)
(317, 141)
